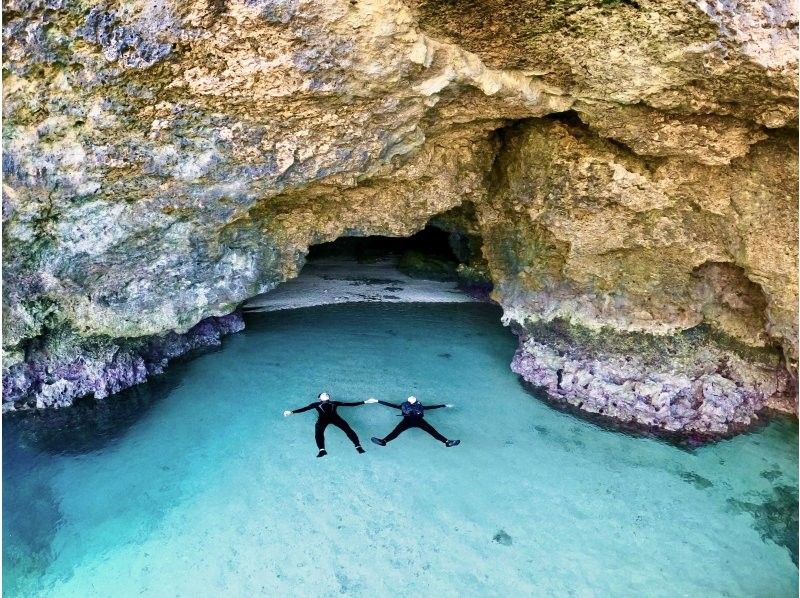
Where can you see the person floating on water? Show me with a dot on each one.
(413, 417)
(326, 414)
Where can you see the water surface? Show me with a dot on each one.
(195, 485)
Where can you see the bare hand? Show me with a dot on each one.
(449, 406)
(287, 413)
(370, 401)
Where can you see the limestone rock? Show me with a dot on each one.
(708, 139)
(166, 160)
(582, 229)
(690, 382)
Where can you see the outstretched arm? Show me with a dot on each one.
(306, 408)
(396, 406)
(427, 407)
(352, 404)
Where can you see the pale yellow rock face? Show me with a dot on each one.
(707, 139)
(167, 159)
(734, 58)
(581, 229)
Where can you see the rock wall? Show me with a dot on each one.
(642, 244)
(582, 229)
(167, 159)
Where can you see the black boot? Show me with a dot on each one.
(450, 443)
(321, 453)
(360, 450)
(378, 441)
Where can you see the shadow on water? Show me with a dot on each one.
(90, 424)
(30, 519)
(774, 512)
(31, 514)
(603, 422)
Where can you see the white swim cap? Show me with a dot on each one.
(412, 399)
(324, 396)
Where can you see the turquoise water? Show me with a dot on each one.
(195, 485)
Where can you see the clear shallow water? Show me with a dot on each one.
(195, 485)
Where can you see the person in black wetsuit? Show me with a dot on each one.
(413, 417)
(326, 414)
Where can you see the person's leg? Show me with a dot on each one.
(399, 429)
(319, 436)
(345, 427)
(423, 425)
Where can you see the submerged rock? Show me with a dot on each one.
(775, 517)
(696, 480)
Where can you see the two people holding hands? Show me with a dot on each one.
(412, 411)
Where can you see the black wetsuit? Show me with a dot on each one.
(326, 411)
(412, 421)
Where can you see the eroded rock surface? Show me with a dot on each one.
(583, 229)
(690, 382)
(630, 166)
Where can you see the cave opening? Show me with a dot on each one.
(430, 253)
(439, 263)
(431, 240)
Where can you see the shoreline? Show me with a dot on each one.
(331, 281)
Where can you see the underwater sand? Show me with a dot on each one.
(195, 485)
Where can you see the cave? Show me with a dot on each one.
(431, 241)
(432, 264)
